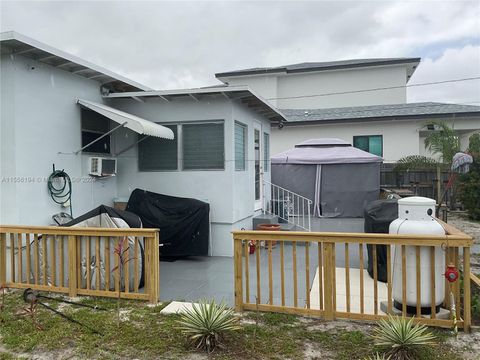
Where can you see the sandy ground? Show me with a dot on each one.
(460, 220)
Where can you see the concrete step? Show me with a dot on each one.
(264, 219)
(288, 227)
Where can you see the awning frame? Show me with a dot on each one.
(101, 137)
(125, 124)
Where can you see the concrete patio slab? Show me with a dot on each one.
(177, 307)
(196, 278)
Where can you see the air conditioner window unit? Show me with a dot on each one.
(99, 166)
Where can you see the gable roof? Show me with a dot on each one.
(241, 93)
(325, 66)
(14, 43)
(410, 111)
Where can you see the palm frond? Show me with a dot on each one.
(443, 141)
(416, 162)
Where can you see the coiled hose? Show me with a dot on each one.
(62, 194)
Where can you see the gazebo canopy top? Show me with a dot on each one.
(324, 151)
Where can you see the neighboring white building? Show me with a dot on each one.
(42, 124)
(390, 131)
(360, 101)
(296, 86)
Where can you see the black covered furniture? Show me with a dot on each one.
(378, 215)
(183, 222)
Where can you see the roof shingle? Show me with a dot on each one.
(378, 112)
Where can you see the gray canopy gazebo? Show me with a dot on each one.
(339, 178)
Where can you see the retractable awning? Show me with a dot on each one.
(132, 122)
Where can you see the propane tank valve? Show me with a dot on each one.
(451, 274)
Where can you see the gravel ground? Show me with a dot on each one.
(460, 220)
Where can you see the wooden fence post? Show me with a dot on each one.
(237, 253)
(439, 186)
(467, 311)
(72, 266)
(328, 276)
(3, 259)
(154, 268)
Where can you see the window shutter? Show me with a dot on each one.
(240, 131)
(203, 146)
(158, 154)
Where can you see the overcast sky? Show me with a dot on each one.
(168, 45)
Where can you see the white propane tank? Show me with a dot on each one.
(416, 216)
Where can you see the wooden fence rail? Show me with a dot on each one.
(80, 261)
(302, 277)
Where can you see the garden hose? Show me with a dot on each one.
(61, 195)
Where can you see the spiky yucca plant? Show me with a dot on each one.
(401, 338)
(207, 323)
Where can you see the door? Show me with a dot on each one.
(258, 152)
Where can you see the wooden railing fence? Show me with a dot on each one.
(80, 261)
(281, 278)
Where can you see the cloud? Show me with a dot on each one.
(183, 44)
(452, 64)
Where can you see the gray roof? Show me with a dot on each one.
(379, 112)
(323, 66)
(241, 93)
(15, 43)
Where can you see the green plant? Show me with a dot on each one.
(443, 141)
(207, 323)
(401, 338)
(413, 162)
(474, 145)
(469, 187)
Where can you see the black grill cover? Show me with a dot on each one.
(183, 222)
(378, 215)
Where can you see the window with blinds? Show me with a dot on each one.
(266, 151)
(203, 146)
(156, 154)
(240, 146)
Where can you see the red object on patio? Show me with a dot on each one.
(269, 227)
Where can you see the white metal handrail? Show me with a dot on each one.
(287, 205)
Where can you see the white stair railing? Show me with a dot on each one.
(287, 205)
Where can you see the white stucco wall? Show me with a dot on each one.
(314, 83)
(230, 193)
(39, 119)
(400, 138)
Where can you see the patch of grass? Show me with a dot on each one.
(276, 319)
(149, 334)
(346, 345)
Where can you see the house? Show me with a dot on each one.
(211, 142)
(361, 101)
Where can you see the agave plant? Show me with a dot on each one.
(207, 323)
(401, 338)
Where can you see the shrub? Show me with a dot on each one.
(207, 323)
(470, 190)
(401, 338)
